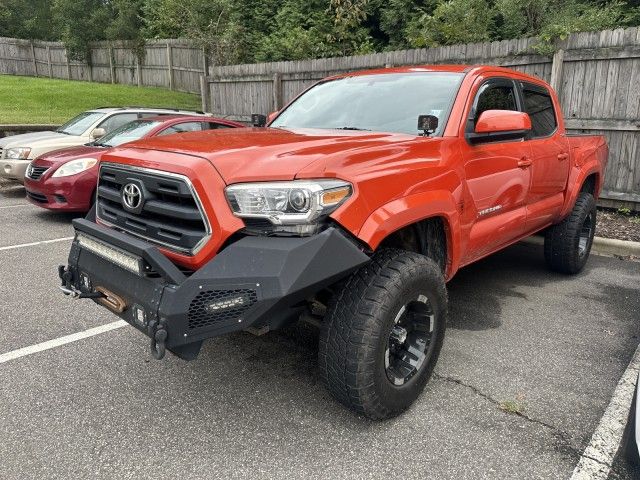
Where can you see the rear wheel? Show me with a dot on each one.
(567, 245)
(383, 333)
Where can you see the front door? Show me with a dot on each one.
(497, 176)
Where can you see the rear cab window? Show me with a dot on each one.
(539, 105)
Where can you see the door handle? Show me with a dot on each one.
(563, 156)
(524, 162)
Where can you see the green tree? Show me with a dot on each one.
(451, 22)
(79, 22)
(213, 24)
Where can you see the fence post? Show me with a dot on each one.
(205, 62)
(112, 69)
(66, 57)
(205, 95)
(170, 66)
(277, 91)
(49, 61)
(556, 71)
(138, 70)
(33, 57)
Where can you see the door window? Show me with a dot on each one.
(182, 127)
(495, 96)
(539, 106)
(117, 120)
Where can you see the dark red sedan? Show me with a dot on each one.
(66, 179)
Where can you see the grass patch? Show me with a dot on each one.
(42, 100)
(512, 406)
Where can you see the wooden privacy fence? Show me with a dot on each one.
(173, 64)
(596, 75)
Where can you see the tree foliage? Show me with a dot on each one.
(235, 31)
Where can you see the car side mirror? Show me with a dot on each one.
(272, 116)
(258, 120)
(96, 133)
(500, 125)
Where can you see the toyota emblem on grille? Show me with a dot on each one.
(131, 196)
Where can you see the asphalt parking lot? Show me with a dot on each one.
(519, 338)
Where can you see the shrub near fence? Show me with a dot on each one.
(596, 75)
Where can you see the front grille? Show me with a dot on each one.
(217, 307)
(34, 173)
(38, 197)
(169, 213)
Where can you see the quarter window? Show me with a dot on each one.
(539, 106)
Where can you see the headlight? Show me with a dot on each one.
(296, 203)
(75, 166)
(18, 153)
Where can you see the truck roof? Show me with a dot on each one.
(475, 69)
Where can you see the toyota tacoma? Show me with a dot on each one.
(353, 207)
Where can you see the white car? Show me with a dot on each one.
(16, 152)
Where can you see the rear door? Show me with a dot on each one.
(496, 175)
(549, 154)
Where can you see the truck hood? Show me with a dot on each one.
(243, 155)
(24, 139)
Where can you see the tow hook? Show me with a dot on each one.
(158, 334)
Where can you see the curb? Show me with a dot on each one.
(601, 246)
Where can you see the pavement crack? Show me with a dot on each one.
(496, 402)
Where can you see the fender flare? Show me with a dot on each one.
(405, 211)
(577, 177)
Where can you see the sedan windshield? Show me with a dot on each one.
(388, 102)
(78, 125)
(127, 133)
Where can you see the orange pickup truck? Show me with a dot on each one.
(353, 207)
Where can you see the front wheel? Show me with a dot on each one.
(567, 245)
(383, 333)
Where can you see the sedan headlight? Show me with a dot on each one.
(74, 167)
(18, 153)
(294, 205)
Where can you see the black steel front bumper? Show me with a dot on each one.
(254, 282)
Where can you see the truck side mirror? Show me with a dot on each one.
(96, 133)
(428, 124)
(500, 125)
(258, 120)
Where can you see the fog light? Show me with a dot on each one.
(139, 315)
(227, 304)
(7, 169)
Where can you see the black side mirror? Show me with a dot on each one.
(428, 124)
(258, 120)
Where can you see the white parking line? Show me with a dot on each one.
(32, 244)
(595, 462)
(16, 206)
(40, 347)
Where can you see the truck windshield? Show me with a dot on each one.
(127, 133)
(78, 125)
(388, 102)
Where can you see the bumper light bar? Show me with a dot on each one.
(115, 255)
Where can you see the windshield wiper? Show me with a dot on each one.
(353, 128)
